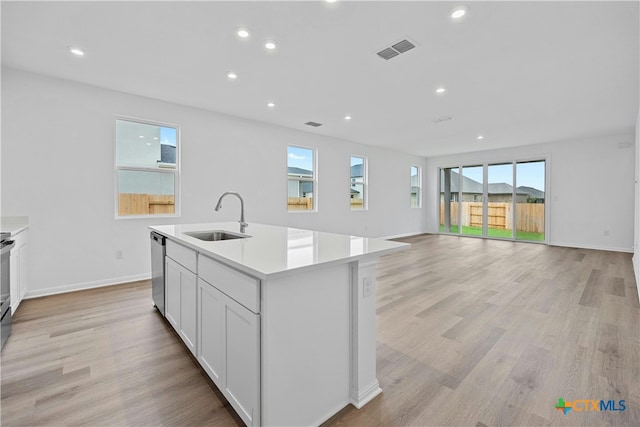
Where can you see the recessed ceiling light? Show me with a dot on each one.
(155, 137)
(330, 1)
(148, 143)
(271, 105)
(480, 137)
(270, 45)
(347, 117)
(231, 75)
(441, 90)
(76, 51)
(141, 136)
(243, 33)
(459, 12)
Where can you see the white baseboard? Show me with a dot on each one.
(399, 236)
(86, 285)
(594, 247)
(359, 398)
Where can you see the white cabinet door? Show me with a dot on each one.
(14, 279)
(24, 271)
(188, 306)
(210, 330)
(18, 269)
(241, 379)
(229, 349)
(172, 287)
(181, 307)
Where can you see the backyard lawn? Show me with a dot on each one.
(496, 232)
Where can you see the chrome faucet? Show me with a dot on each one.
(243, 225)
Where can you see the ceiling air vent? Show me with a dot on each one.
(387, 53)
(441, 119)
(396, 49)
(403, 46)
(314, 124)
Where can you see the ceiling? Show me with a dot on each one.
(515, 72)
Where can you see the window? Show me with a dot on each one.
(301, 176)
(146, 168)
(529, 220)
(499, 200)
(358, 183)
(416, 184)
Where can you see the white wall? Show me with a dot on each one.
(590, 188)
(58, 169)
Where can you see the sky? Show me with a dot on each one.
(168, 136)
(527, 174)
(300, 158)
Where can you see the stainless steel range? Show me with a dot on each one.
(5, 290)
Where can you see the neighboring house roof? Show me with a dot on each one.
(532, 192)
(471, 186)
(356, 171)
(299, 171)
(500, 188)
(167, 153)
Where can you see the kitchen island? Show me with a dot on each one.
(283, 320)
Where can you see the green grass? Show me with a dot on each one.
(496, 232)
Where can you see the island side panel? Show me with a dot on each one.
(306, 346)
(364, 382)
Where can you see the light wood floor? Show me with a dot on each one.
(471, 332)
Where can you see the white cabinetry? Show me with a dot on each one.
(215, 310)
(18, 269)
(210, 330)
(241, 380)
(229, 335)
(181, 293)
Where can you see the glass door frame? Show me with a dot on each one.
(485, 207)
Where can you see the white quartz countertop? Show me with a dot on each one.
(13, 224)
(272, 251)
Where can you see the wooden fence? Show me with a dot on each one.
(306, 203)
(357, 203)
(300, 203)
(145, 204)
(529, 216)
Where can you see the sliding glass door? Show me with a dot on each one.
(449, 205)
(530, 177)
(496, 200)
(500, 201)
(472, 200)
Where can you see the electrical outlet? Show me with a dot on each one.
(119, 254)
(366, 287)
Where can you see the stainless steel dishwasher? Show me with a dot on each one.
(157, 270)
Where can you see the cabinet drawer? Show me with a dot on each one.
(182, 255)
(238, 286)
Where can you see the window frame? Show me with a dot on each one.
(546, 158)
(364, 183)
(418, 185)
(313, 180)
(176, 172)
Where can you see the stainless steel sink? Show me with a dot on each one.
(216, 235)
